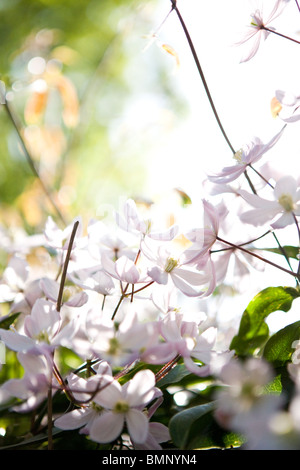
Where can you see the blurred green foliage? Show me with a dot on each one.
(96, 46)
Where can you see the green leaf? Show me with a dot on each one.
(289, 250)
(195, 428)
(253, 331)
(180, 424)
(6, 321)
(174, 376)
(278, 349)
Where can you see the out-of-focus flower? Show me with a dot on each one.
(33, 387)
(132, 222)
(286, 204)
(243, 388)
(286, 106)
(42, 329)
(122, 344)
(184, 338)
(256, 33)
(17, 287)
(247, 155)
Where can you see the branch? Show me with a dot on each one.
(196, 59)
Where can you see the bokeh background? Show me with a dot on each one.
(106, 114)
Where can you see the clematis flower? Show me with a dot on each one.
(123, 269)
(114, 243)
(125, 404)
(243, 387)
(122, 344)
(42, 329)
(286, 105)
(157, 433)
(202, 239)
(17, 287)
(84, 391)
(167, 268)
(286, 204)
(250, 153)
(51, 291)
(257, 33)
(132, 222)
(33, 387)
(185, 339)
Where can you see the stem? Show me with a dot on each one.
(49, 412)
(166, 368)
(261, 176)
(30, 160)
(298, 5)
(64, 273)
(188, 37)
(243, 244)
(279, 34)
(258, 257)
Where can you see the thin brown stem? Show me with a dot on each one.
(196, 59)
(280, 34)
(259, 257)
(66, 263)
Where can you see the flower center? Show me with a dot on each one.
(238, 156)
(121, 407)
(286, 202)
(170, 264)
(114, 346)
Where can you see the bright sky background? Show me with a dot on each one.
(242, 94)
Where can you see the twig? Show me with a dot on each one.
(64, 273)
(196, 59)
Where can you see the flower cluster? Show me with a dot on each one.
(118, 296)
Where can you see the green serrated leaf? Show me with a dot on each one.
(278, 349)
(253, 331)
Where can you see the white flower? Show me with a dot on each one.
(257, 30)
(124, 405)
(286, 204)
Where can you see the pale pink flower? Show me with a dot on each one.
(286, 205)
(203, 238)
(250, 153)
(157, 432)
(113, 243)
(289, 110)
(85, 391)
(244, 384)
(51, 291)
(184, 338)
(256, 33)
(123, 269)
(33, 387)
(42, 329)
(121, 344)
(132, 222)
(17, 287)
(94, 279)
(168, 268)
(125, 404)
